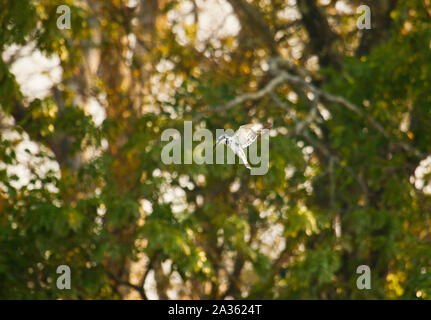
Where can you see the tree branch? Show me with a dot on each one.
(282, 77)
(128, 284)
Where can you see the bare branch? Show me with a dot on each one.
(274, 83)
(352, 107)
(282, 76)
(128, 284)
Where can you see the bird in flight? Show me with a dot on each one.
(242, 138)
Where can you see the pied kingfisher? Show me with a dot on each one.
(242, 138)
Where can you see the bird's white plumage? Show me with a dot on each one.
(247, 134)
(242, 138)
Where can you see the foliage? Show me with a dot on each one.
(114, 212)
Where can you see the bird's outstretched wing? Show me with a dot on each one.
(248, 133)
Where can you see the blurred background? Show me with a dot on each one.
(82, 183)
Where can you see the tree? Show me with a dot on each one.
(348, 183)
